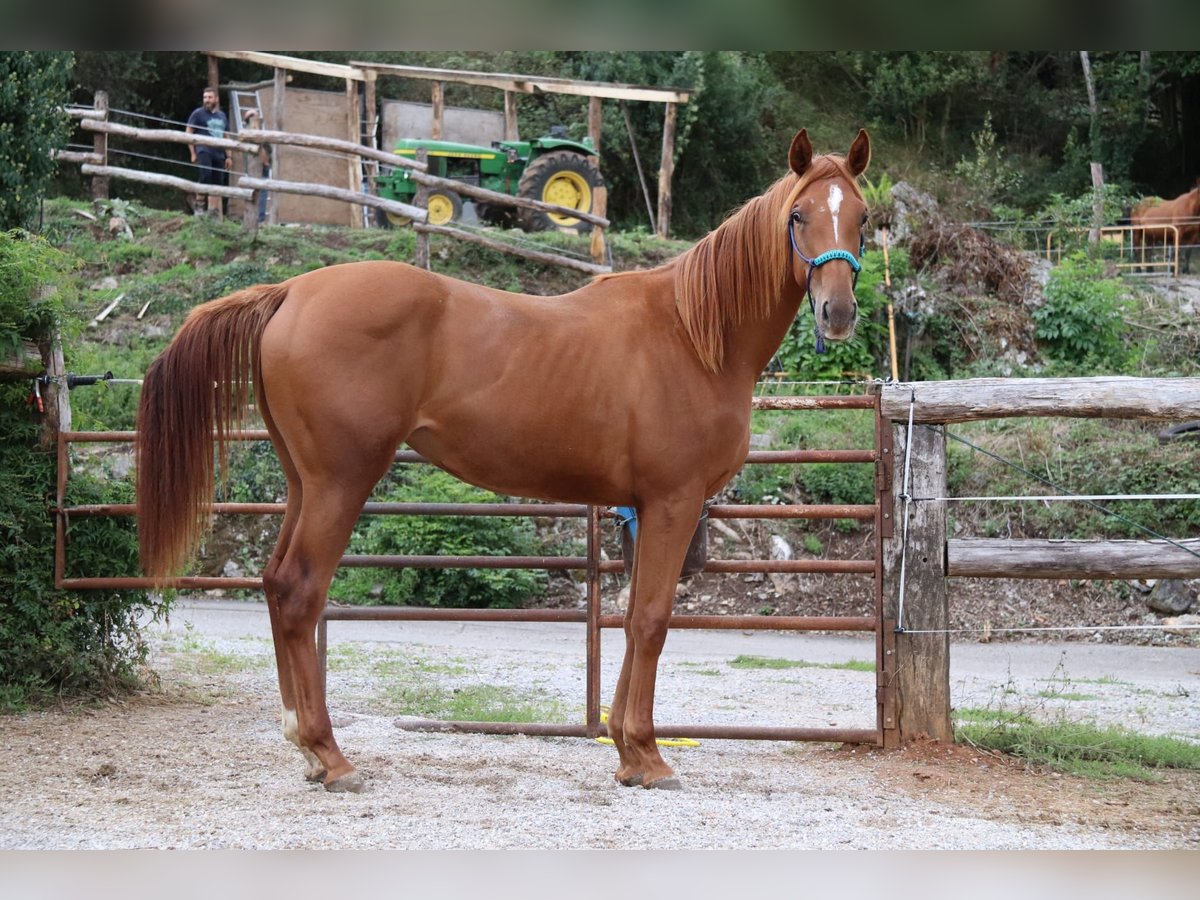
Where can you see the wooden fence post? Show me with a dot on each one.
(922, 660)
(100, 147)
(421, 255)
(666, 173)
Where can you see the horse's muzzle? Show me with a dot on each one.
(837, 317)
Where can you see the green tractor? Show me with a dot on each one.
(552, 169)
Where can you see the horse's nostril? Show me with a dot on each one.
(825, 311)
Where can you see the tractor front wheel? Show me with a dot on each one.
(565, 179)
(444, 207)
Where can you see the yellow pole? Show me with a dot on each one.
(887, 281)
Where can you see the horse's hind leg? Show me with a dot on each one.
(332, 500)
(664, 532)
(314, 770)
(299, 584)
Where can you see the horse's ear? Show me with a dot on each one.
(800, 155)
(859, 156)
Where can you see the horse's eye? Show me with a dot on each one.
(797, 219)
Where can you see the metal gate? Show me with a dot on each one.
(879, 514)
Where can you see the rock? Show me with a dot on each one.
(1189, 624)
(1171, 597)
(780, 549)
(910, 207)
(231, 570)
(105, 284)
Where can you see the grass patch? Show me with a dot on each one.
(203, 658)
(419, 686)
(1084, 749)
(699, 668)
(769, 662)
(1052, 694)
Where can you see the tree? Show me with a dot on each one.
(33, 89)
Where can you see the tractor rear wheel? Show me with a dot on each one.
(563, 178)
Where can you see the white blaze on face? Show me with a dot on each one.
(835, 204)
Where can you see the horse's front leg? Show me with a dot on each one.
(664, 532)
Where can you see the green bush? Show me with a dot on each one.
(1080, 322)
(59, 642)
(55, 642)
(33, 91)
(444, 536)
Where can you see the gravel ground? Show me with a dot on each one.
(200, 762)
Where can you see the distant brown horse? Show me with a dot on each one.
(1183, 212)
(632, 391)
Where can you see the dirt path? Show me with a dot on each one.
(201, 762)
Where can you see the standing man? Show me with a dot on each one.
(214, 164)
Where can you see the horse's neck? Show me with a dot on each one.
(753, 343)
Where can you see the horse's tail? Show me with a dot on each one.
(199, 386)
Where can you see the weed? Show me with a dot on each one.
(767, 662)
(1084, 749)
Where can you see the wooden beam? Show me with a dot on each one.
(922, 664)
(478, 193)
(511, 131)
(169, 135)
(278, 115)
(182, 184)
(666, 172)
(214, 72)
(20, 362)
(330, 193)
(73, 156)
(529, 84)
(291, 63)
(99, 143)
(552, 258)
(353, 136)
(321, 142)
(437, 126)
(595, 119)
(1002, 558)
(974, 399)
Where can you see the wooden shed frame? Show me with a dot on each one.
(366, 74)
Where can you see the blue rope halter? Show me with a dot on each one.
(818, 261)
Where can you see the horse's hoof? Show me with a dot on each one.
(670, 783)
(630, 780)
(315, 777)
(351, 783)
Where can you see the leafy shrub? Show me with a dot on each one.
(55, 641)
(33, 91)
(1080, 321)
(445, 536)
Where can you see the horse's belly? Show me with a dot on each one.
(565, 467)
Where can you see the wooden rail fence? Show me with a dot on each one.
(919, 543)
(248, 182)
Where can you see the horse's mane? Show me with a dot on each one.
(738, 271)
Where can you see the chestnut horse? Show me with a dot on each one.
(631, 391)
(1183, 212)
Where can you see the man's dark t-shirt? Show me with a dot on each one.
(211, 159)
